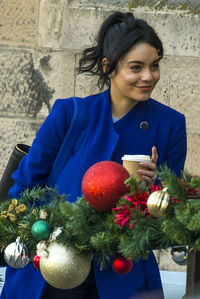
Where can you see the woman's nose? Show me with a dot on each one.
(147, 75)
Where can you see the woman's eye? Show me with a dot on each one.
(136, 68)
(155, 67)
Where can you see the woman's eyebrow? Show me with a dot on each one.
(141, 62)
(135, 61)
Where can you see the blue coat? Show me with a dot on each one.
(99, 140)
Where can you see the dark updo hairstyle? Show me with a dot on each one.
(117, 35)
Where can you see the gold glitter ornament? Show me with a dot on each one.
(64, 267)
(158, 203)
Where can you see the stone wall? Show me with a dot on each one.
(40, 45)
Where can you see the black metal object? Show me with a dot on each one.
(19, 151)
(193, 275)
(2, 261)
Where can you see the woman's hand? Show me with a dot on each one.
(149, 174)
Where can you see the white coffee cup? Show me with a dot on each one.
(131, 163)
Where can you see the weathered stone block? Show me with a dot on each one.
(178, 30)
(18, 21)
(161, 91)
(23, 90)
(75, 25)
(193, 154)
(58, 71)
(50, 23)
(15, 131)
(86, 85)
(63, 26)
(184, 88)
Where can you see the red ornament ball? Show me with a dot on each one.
(121, 265)
(103, 185)
(36, 262)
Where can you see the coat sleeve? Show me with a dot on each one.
(177, 149)
(36, 165)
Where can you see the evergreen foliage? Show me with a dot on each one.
(99, 234)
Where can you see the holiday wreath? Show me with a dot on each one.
(116, 216)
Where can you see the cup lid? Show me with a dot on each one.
(137, 158)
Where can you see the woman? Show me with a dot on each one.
(121, 120)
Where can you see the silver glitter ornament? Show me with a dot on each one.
(15, 255)
(64, 267)
(179, 255)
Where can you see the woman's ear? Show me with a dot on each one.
(105, 65)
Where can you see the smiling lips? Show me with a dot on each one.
(144, 88)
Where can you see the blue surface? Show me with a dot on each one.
(174, 283)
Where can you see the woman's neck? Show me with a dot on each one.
(121, 106)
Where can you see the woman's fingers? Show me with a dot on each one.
(154, 157)
(148, 172)
(148, 176)
(148, 166)
(149, 180)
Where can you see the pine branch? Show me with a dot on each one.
(97, 234)
(173, 183)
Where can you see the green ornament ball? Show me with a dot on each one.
(41, 230)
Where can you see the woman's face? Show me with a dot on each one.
(136, 75)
